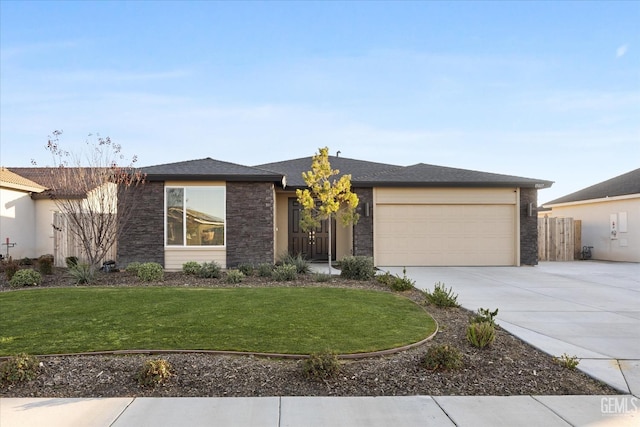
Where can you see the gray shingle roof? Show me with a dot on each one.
(622, 185)
(422, 174)
(293, 168)
(369, 174)
(208, 169)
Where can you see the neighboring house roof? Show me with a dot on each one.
(14, 181)
(208, 169)
(54, 180)
(293, 169)
(369, 174)
(622, 185)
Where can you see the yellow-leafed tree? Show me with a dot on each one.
(326, 197)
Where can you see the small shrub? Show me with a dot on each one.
(133, 267)
(485, 315)
(402, 284)
(10, 268)
(82, 273)
(441, 296)
(19, 368)
(25, 277)
(481, 334)
(191, 267)
(246, 269)
(357, 268)
(301, 264)
(154, 372)
(321, 366)
(150, 272)
(396, 282)
(25, 261)
(386, 278)
(284, 273)
(210, 270)
(45, 264)
(71, 261)
(321, 277)
(265, 269)
(443, 357)
(566, 361)
(234, 276)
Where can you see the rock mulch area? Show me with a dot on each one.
(506, 367)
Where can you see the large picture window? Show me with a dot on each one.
(195, 216)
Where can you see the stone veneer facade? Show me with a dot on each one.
(363, 230)
(528, 226)
(250, 223)
(143, 237)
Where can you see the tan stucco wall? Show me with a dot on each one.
(282, 224)
(344, 241)
(596, 229)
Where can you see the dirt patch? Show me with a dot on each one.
(507, 367)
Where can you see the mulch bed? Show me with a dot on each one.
(507, 367)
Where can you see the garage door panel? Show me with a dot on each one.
(408, 235)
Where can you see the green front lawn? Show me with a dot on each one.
(282, 320)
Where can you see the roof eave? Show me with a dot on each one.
(22, 187)
(553, 204)
(229, 178)
(536, 185)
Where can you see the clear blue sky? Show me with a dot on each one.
(548, 90)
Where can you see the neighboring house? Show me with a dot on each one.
(18, 215)
(610, 216)
(50, 229)
(209, 210)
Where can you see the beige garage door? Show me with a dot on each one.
(445, 234)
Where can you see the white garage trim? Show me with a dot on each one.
(455, 226)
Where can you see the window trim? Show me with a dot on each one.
(184, 219)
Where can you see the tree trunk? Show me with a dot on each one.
(330, 244)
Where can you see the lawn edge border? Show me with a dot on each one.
(352, 356)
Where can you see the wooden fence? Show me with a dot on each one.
(66, 243)
(559, 239)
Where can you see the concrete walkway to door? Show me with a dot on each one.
(589, 309)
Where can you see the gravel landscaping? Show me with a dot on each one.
(506, 367)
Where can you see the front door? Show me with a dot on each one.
(313, 244)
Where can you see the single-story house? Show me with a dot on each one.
(210, 210)
(610, 216)
(18, 215)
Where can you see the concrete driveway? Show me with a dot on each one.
(589, 309)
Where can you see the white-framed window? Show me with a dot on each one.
(195, 215)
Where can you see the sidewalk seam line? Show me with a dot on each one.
(552, 411)
(122, 412)
(444, 411)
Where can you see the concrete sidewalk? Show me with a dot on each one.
(414, 411)
(589, 309)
